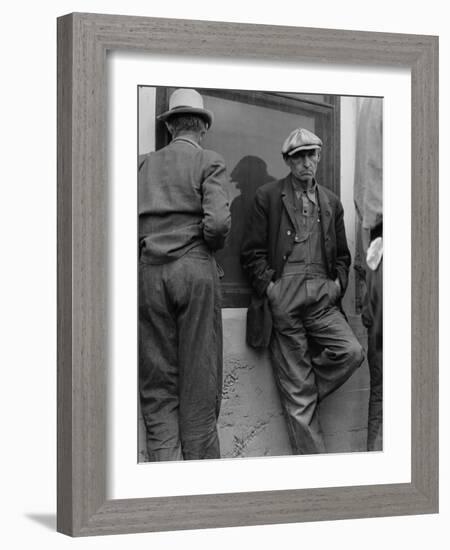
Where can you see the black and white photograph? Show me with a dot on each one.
(260, 293)
(212, 344)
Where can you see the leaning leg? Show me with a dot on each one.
(293, 371)
(327, 327)
(296, 385)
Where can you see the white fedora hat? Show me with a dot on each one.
(185, 101)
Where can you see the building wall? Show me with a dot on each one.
(147, 98)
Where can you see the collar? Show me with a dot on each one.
(311, 193)
(187, 140)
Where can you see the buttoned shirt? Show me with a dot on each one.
(307, 252)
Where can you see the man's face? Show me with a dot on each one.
(303, 165)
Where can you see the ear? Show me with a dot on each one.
(319, 152)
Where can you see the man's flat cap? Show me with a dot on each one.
(300, 140)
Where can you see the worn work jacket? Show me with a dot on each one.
(182, 201)
(269, 240)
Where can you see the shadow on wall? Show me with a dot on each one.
(46, 520)
(248, 174)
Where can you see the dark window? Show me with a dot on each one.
(248, 131)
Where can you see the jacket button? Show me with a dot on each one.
(288, 232)
(285, 257)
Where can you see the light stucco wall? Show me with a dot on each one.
(146, 119)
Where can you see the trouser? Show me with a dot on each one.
(180, 356)
(304, 313)
(373, 319)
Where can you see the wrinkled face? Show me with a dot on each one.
(303, 165)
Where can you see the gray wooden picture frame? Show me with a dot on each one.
(83, 242)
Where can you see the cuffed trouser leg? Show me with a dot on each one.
(181, 357)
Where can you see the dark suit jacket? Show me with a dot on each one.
(269, 240)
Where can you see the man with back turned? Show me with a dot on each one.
(296, 256)
(183, 218)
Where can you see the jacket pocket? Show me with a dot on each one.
(259, 323)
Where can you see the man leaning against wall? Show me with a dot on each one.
(297, 260)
